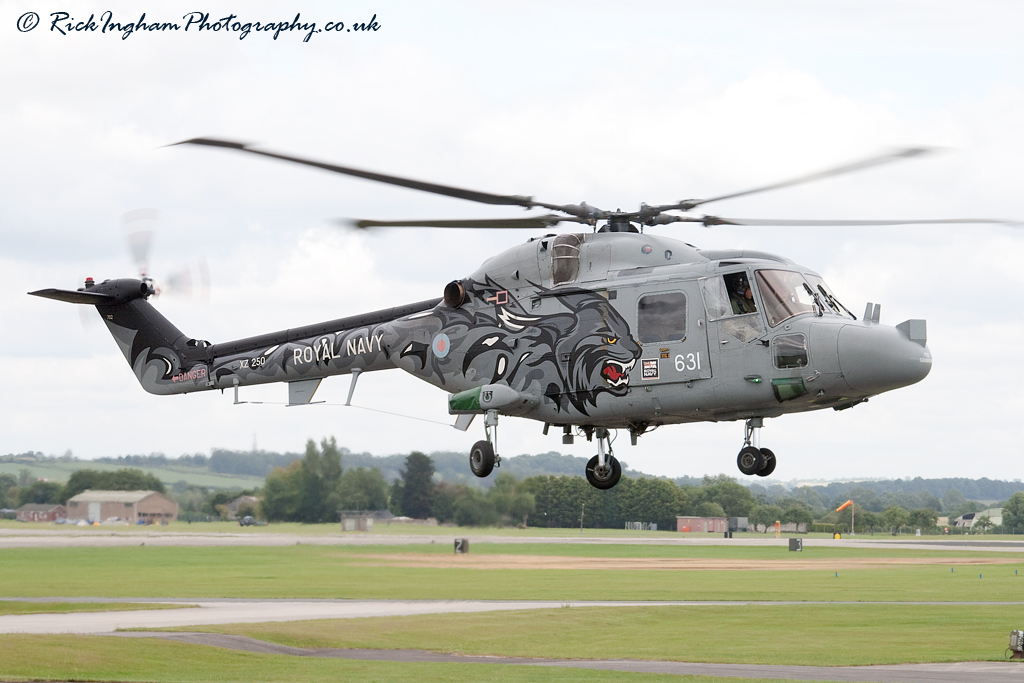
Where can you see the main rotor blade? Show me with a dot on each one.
(459, 193)
(769, 222)
(531, 223)
(828, 173)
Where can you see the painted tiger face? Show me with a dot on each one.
(598, 352)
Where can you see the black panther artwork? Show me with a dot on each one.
(571, 356)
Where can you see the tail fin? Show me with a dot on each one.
(154, 348)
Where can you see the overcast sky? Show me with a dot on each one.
(611, 103)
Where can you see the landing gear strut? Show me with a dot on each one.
(752, 458)
(603, 470)
(483, 458)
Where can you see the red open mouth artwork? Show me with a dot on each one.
(616, 374)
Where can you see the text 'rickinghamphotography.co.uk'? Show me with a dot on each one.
(62, 23)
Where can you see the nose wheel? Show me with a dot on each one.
(753, 459)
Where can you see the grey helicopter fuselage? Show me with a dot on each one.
(609, 330)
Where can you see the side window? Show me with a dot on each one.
(716, 298)
(730, 300)
(741, 296)
(790, 351)
(661, 317)
(565, 258)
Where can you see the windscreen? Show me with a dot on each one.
(785, 294)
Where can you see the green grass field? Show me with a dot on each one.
(83, 658)
(816, 634)
(811, 635)
(55, 470)
(308, 571)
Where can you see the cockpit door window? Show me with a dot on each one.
(730, 301)
(661, 317)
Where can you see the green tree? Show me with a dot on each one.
(216, 503)
(8, 490)
(281, 494)
(307, 490)
(650, 500)
(40, 492)
(983, 524)
(924, 519)
(1013, 513)
(362, 488)
(417, 486)
(895, 517)
(866, 519)
(766, 515)
(512, 501)
(445, 497)
(797, 515)
(126, 479)
(709, 509)
(395, 498)
(736, 500)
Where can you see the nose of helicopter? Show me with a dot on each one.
(877, 358)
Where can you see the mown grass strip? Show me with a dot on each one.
(84, 658)
(307, 571)
(812, 635)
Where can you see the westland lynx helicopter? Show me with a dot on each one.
(587, 332)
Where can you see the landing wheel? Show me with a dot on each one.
(481, 458)
(751, 461)
(604, 477)
(769, 463)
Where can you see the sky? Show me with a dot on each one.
(609, 103)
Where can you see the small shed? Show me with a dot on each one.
(41, 512)
(357, 520)
(702, 524)
(132, 507)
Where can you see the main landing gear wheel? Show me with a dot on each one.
(769, 463)
(481, 458)
(751, 461)
(604, 477)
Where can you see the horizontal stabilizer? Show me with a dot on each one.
(73, 297)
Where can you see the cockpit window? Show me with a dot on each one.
(785, 294)
(729, 295)
(565, 258)
(741, 296)
(730, 300)
(829, 302)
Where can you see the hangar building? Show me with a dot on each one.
(130, 506)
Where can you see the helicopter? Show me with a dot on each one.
(604, 328)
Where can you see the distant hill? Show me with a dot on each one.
(228, 469)
(453, 467)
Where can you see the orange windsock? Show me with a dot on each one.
(844, 505)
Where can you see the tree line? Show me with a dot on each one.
(315, 486)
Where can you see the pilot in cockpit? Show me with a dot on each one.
(741, 296)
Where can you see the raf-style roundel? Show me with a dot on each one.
(646, 249)
(441, 345)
